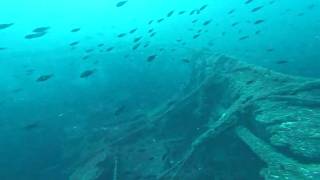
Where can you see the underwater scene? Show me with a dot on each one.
(159, 89)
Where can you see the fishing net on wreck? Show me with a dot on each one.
(234, 121)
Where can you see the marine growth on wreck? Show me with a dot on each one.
(159, 90)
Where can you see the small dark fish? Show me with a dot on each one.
(243, 38)
(288, 10)
(256, 9)
(75, 30)
(194, 21)
(231, 11)
(150, 30)
(248, 1)
(170, 13)
(29, 72)
(85, 57)
(207, 22)
(17, 90)
(74, 43)
(31, 126)
(151, 58)
(186, 60)
(152, 34)
(2, 48)
(160, 20)
(196, 36)
(210, 44)
(192, 12)
(150, 22)
(119, 110)
(234, 24)
(259, 21)
(121, 3)
(250, 82)
(109, 49)
(41, 29)
(136, 46)
(203, 7)
(100, 45)
(199, 31)
(311, 6)
(257, 32)
(282, 62)
(35, 35)
(270, 50)
(146, 45)
(122, 35)
(133, 31)
(89, 50)
(137, 39)
(181, 12)
(87, 73)
(44, 78)
(4, 26)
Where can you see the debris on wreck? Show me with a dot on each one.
(273, 118)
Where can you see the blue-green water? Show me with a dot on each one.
(52, 90)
